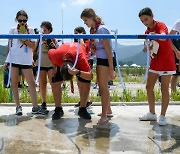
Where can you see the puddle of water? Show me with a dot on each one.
(2, 120)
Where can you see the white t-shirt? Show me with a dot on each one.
(177, 26)
(19, 54)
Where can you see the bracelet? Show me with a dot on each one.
(79, 73)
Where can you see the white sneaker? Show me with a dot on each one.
(148, 117)
(162, 120)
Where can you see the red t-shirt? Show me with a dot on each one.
(164, 61)
(57, 56)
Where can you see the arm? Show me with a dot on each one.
(176, 51)
(7, 51)
(30, 44)
(82, 74)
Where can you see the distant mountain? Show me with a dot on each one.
(139, 59)
(130, 54)
(126, 54)
(2, 54)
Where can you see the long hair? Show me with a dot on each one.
(21, 13)
(64, 71)
(90, 13)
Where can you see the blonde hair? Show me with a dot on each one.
(90, 13)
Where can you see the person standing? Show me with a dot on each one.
(20, 56)
(162, 64)
(46, 66)
(176, 49)
(104, 55)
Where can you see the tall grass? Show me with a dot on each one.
(129, 75)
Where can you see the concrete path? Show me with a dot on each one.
(124, 133)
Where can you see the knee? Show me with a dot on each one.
(149, 88)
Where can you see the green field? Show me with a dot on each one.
(134, 75)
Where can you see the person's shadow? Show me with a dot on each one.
(167, 133)
(13, 120)
(82, 132)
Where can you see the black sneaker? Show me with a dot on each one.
(83, 113)
(77, 105)
(43, 106)
(58, 113)
(110, 83)
(39, 110)
(19, 85)
(89, 103)
(19, 110)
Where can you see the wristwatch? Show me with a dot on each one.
(79, 73)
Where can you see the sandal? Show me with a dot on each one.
(102, 121)
(109, 115)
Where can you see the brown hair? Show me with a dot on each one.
(90, 13)
(145, 11)
(21, 13)
(48, 25)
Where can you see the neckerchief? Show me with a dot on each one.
(27, 29)
(26, 26)
(148, 31)
(93, 31)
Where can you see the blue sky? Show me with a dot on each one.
(117, 14)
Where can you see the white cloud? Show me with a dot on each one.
(63, 5)
(82, 2)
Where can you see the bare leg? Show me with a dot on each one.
(84, 89)
(31, 84)
(165, 93)
(103, 73)
(173, 83)
(56, 90)
(43, 85)
(14, 84)
(152, 78)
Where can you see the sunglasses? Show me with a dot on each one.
(22, 20)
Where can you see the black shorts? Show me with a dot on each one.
(90, 61)
(103, 62)
(46, 68)
(177, 65)
(21, 66)
(177, 70)
(83, 80)
(58, 77)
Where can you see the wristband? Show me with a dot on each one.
(79, 73)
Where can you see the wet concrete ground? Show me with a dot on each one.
(124, 133)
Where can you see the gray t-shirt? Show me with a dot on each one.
(177, 26)
(100, 50)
